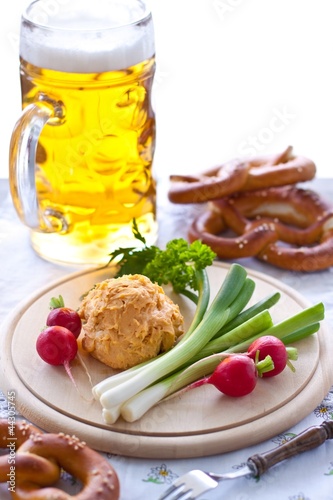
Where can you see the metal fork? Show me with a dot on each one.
(191, 485)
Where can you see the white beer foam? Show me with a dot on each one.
(64, 42)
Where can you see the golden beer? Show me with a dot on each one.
(93, 171)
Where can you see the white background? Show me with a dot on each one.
(233, 77)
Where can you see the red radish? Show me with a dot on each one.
(64, 316)
(235, 376)
(268, 345)
(57, 345)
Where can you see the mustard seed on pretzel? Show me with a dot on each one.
(288, 227)
(242, 175)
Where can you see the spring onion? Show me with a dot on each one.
(209, 358)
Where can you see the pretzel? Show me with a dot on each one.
(242, 175)
(18, 432)
(288, 227)
(38, 463)
(212, 184)
(11, 438)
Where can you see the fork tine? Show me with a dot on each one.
(173, 490)
(189, 486)
(167, 493)
(187, 495)
(178, 493)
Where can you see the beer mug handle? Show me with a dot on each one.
(22, 165)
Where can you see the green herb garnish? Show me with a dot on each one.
(181, 263)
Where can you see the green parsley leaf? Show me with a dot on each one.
(178, 264)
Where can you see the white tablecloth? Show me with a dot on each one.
(306, 477)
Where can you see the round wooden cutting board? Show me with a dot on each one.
(198, 423)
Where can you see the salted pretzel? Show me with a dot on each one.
(18, 432)
(288, 227)
(242, 175)
(40, 458)
(11, 438)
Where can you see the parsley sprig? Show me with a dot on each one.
(181, 263)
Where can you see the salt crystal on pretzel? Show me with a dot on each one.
(18, 432)
(288, 227)
(40, 457)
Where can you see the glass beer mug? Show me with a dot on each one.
(81, 154)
